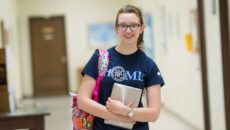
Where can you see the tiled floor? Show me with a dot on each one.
(60, 118)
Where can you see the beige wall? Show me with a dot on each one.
(8, 14)
(78, 14)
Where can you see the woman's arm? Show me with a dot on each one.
(145, 114)
(87, 104)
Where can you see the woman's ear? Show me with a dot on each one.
(142, 28)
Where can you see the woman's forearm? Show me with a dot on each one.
(152, 111)
(99, 110)
(145, 114)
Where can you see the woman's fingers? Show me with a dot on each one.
(110, 100)
(130, 103)
(108, 105)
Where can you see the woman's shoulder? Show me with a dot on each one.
(145, 57)
(111, 50)
(147, 62)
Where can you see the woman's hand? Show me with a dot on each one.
(118, 107)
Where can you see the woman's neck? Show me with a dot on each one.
(126, 49)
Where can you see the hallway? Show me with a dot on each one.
(60, 118)
(188, 40)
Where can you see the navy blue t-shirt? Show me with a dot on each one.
(136, 70)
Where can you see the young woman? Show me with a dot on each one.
(130, 66)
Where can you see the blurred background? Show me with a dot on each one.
(45, 43)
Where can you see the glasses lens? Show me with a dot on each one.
(123, 27)
(134, 27)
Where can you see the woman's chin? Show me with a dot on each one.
(129, 41)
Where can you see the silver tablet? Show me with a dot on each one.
(125, 94)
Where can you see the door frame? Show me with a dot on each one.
(203, 61)
(32, 62)
(225, 49)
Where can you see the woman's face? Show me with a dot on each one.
(129, 28)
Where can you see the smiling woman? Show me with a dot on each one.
(128, 66)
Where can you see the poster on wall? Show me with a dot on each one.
(191, 38)
(178, 32)
(214, 7)
(102, 35)
(170, 24)
(195, 30)
(162, 29)
(148, 35)
(1, 33)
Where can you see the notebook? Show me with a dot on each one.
(125, 94)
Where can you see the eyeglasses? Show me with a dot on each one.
(132, 27)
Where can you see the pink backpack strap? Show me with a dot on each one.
(103, 62)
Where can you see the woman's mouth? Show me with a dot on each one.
(128, 36)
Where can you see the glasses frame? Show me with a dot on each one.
(128, 26)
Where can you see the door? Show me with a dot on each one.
(49, 56)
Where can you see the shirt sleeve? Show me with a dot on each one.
(91, 68)
(154, 75)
